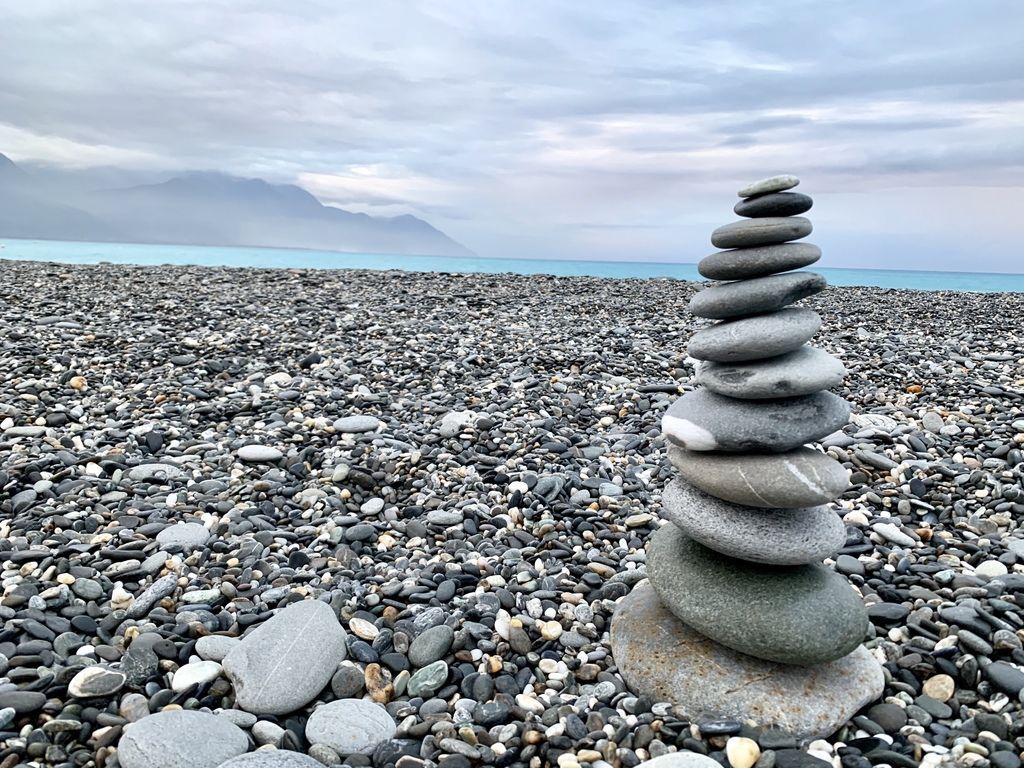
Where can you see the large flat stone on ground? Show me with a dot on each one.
(661, 657)
(288, 660)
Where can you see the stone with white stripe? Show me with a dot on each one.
(799, 478)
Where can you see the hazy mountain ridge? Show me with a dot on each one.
(203, 208)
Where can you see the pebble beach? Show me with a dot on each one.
(420, 496)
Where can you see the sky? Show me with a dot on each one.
(535, 129)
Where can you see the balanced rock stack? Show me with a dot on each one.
(740, 618)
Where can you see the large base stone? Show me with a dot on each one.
(661, 657)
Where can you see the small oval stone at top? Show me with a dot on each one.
(771, 184)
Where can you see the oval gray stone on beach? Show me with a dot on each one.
(749, 233)
(778, 183)
(356, 424)
(188, 536)
(182, 738)
(272, 758)
(804, 614)
(704, 421)
(801, 372)
(756, 296)
(771, 536)
(350, 726)
(755, 337)
(799, 478)
(774, 204)
(259, 454)
(745, 263)
(658, 654)
(288, 660)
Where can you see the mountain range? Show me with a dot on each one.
(201, 208)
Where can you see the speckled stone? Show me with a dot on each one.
(801, 372)
(756, 337)
(772, 536)
(800, 478)
(804, 614)
(746, 263)
(749, 233)
(661, 657)
(756, 296)
(180, 738)
(774, 204)
(702, 420)
(272, 758)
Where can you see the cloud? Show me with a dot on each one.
(510, 123)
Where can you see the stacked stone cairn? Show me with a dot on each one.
(740, 618)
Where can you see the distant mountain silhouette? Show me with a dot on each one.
(204, 209)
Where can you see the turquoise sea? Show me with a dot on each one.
(133, 253)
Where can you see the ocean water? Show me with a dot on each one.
(134, 253)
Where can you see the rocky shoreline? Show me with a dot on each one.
(466, 469)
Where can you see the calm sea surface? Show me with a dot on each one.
(131, 253)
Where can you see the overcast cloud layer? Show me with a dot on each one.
(530, 128)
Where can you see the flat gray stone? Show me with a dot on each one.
(357, 424)
(431, 645)
(704, 421)
(745, 263)
(771, 536)
(774, 204)
(756, 296)
(272, 758)
(801, 614)
(259, 454)
(216, 647)
(778, 183)
(181, 738)
(350, 726)
(662, 658)
(155, 472)
(749, 233)
(802, 372)
(798, 478)
(286, 661)
(757, 337)
(684, 759)
(185, 535)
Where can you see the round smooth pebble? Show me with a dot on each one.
(773, 536)
(185, 535)
(195, 673)
(757, 337)
(750, 233)
(939, 687)
(742, 752)
(356, 424)
(181, 738)
(431, 645)
(804, 614)
(259, 454)
(680, 760)
(990, 569)
(756, 296)
(748, 263)
(272, 758)
(800, 478)
(96, 681)
(702, 420)
(801, 372)
(288, 660)
(215, 647)
(774, 204)
(350, 726)
(779, 183)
